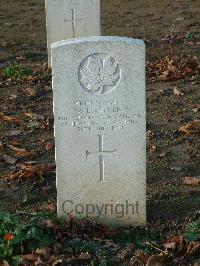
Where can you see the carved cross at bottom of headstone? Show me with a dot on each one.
(73, 21)
(101, 153)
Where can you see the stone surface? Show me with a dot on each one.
(67, 19)
(99, 110)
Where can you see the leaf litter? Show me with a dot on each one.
(171, 68)
(30, 171)
(75, 243)
(191, 128)
(10, 119)
(191, 180)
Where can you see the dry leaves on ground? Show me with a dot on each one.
(15, 148)
(10, 119)
(177, 250)
(27, 154)
(23, 153)
(49, 146)
(191, 180)
(152, 148)
(149, 134)
(191, 128)
(30, 171)
(30, 92)
(172, 68)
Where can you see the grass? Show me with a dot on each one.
(175, 207)
(16, 71)
(193, 231)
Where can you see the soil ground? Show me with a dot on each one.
(23, 38)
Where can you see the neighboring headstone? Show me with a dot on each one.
(68, 19)
(99, 110)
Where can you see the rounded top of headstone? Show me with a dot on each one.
(93, 39)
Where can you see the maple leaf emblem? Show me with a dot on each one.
(100, 74)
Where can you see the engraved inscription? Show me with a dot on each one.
(100, 115)
(73, 21)
(99, 74)
(101, 154)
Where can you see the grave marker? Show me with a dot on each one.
(99, 110)
(73, 20)
(66, 19)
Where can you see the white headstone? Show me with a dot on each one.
(67, 19)
(99, 110)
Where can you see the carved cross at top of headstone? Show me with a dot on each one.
(73, 21)
(101, 154)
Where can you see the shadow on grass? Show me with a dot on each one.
(174, 207)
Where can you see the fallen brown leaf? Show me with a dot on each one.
(49, 146)
(30, 171)
(150, 134)
(179, 246)
(10, 119)
(193, 248)
(16, 143)
(30, 92)
(191, 128)
(172, 68)
(30, 257)
(22, 153)
(27, 154)
(57, 262)
(17, 149)
(34, 116)
(45, 125)
(191, 180)
(29, 114)
(177, 249)
(153, 148)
